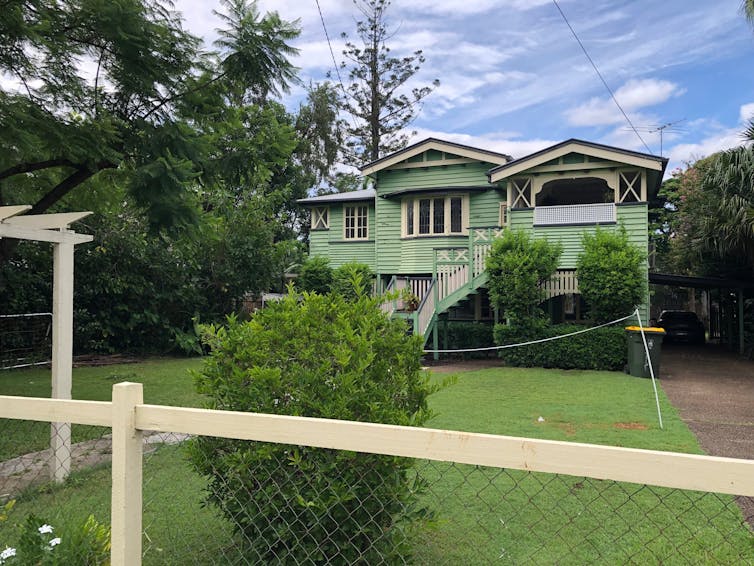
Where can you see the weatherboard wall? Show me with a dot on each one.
(330, 243)
(415, 255)
(458, 175)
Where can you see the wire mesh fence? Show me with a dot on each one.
(25, 339)
(44, 521)
(217, 501)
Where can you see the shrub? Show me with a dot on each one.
(315, 276)
(469, 334)
(611, 279)
(325, 357)
(601, 349)
(517, 266)
(352, 280)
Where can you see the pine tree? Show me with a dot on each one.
(377, 97)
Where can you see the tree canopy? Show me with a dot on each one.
(122, 86)
(377, 98)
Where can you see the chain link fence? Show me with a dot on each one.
(211, 500)
(218, 501)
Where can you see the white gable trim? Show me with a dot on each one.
(574, 147)
(421, 147)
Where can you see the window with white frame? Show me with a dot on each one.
(355, 222)
(434, 215)
(320, 218)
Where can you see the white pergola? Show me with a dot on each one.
(53, 228)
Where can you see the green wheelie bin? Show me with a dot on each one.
(638, 365)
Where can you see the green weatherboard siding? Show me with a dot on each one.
(415, 255)
(331, 244)
(469, 174)
(633, 216)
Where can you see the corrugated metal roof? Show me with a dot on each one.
(366, 194)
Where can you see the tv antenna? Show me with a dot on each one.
(662, 128)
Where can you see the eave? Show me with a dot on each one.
(461, 150)
(591, 149)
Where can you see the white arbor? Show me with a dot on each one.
(53, 228)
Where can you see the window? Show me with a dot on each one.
(320, 218)
(424, 206)
(355, 227)
(456, 214)
(438, 215)
(434, 216)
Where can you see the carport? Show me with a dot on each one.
(730, 298)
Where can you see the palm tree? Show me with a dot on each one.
(729, 228)
(747, 7)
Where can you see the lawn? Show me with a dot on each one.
(482, 514)
(166, 382)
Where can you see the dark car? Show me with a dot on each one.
(682, 326)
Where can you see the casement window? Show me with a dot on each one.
(320, 218)
(355, 222)
(435, 215)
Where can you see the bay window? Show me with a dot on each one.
(434, 215)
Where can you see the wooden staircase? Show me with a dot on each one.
(458, 273)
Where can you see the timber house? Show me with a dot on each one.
(433, 209)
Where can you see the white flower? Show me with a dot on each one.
(7, 553)
(44, 529)
(55, 541)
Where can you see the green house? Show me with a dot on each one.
(434, 208)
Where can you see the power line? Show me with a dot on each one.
(332, 53)
(334, 62)
(604, 82)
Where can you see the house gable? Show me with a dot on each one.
(576, 158)
(434, 153)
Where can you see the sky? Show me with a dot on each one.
(514, 79)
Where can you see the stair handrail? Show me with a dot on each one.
(425, 310)
(389, 306)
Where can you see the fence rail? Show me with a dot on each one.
(129, 417)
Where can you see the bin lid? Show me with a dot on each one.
(647, 329)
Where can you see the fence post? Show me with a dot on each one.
(127, 477)
(62, 355)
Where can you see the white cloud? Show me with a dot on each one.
(632, 96)
(747, 112)
(456, 8)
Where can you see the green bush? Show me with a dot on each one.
(517, 266)
(352, 280)
(611, 278)
(315, 275)
(602, 349)
(324, 357)
(462, 334)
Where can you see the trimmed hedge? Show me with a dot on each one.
(601, 349)
(469, 335)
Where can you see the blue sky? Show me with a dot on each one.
(513, 78)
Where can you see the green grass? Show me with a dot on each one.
(511, 517)
(482, 514)
(166, 382)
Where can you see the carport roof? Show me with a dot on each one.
(698, 282)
